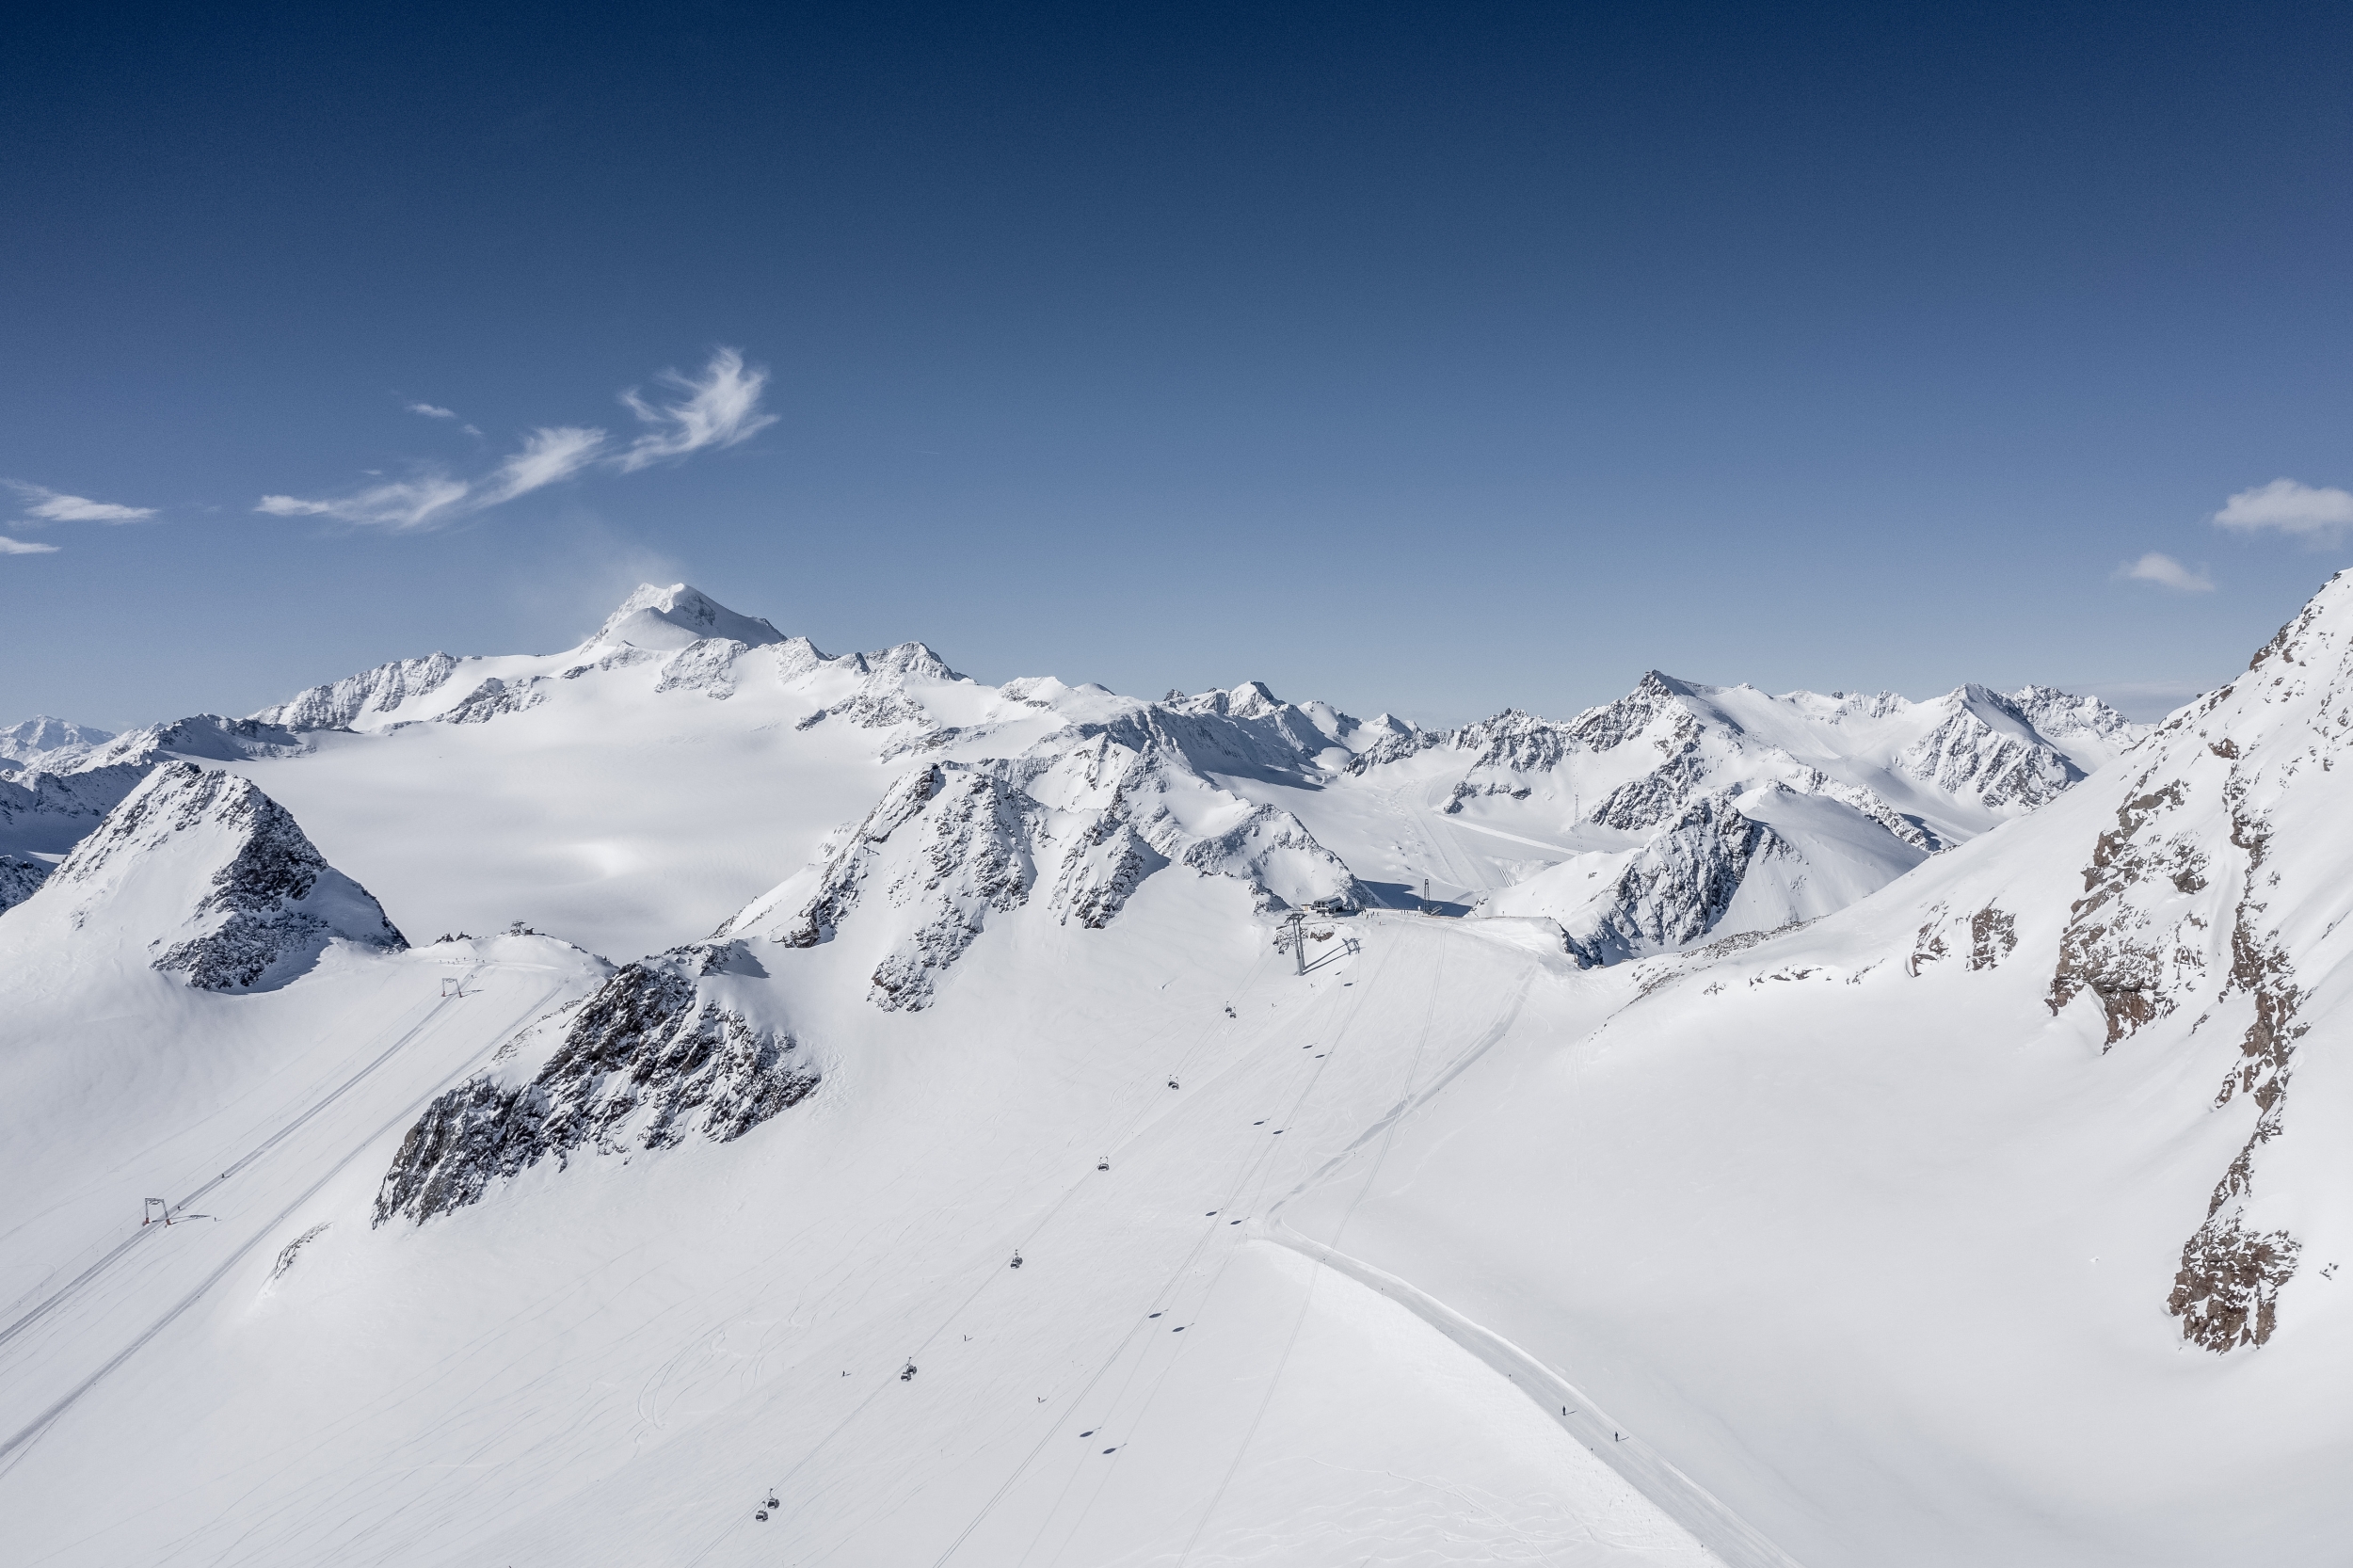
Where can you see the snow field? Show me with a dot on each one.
(611, 1364)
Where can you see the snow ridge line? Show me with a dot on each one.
(18, 1445)
(1718, 1529)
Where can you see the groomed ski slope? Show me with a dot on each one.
(617, 1363)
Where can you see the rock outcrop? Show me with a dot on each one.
(645, 1063)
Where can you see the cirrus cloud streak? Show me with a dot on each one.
(50, 507)
(717, 409)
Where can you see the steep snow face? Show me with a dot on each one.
(1979, 1190)
(206, 736)
(48, 813)
(214, 878)
(45, 742)
(678, 616)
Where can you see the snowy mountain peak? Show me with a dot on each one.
(676, 617)
(214, 878)
(36, 737)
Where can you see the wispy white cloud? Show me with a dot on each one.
(25, 547)
(401, 506)
(2316, 512)
(50, 506)
(719, 408)
(2166, 572)
(548, 456)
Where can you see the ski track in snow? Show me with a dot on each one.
(13, 1446)
(1810, 1206)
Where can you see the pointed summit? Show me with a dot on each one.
(214, 880)
(41, 735)
(678, 616)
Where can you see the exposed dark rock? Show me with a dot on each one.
(340, 704)
(273, 899)
(1682, 882)
(495, 697)
(19, 879)
(645, 1063)
(2115, 945)
(1993, 936)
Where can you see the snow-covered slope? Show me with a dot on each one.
(1989, 1218)
(1997, 1218)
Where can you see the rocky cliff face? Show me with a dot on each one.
(19, 877)
(1681, 885)
(647, 1063)
(939, 855)
(1987, 751)
(2216, 888)
(357, 699)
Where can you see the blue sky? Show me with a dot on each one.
(1436, 358)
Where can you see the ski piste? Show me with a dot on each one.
(1788, 1129)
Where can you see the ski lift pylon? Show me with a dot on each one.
(1103, 1162)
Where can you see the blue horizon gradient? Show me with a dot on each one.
(1413, 361)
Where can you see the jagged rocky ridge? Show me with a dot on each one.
(240, 897)
(948, 847)
(648, 1061)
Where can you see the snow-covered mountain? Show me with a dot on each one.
(620, 790)
(236, 896)
(40, 739)
(961, 1170)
